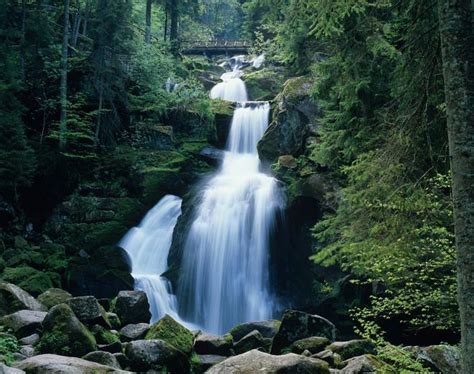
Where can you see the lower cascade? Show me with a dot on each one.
(148, 246)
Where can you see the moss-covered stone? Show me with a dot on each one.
(352, 348)
(64, 334)
(173, 333)
(30, 279)
(104, 336)
(53, 296)
(264, 84)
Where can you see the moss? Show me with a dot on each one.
(222, 107)
(172, 332)
(8, 345)
(30, 279)
(264, 84)
(196, 365)
(53, 296)
(104, 336)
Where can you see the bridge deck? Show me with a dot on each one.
(213, 47)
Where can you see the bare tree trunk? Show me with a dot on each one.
(63, 84)
(23, 31)
(148, 22)
(174, 17)
(101, 107)
(457, 41)
(165, 33)
(76, 26)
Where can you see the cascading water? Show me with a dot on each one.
(148, 246)
(232, 88)
(225, 270)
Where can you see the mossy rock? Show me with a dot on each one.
(30, 279)
(173, 333)
(64, 334)
(352, 348)
(160, 181)
(53, 296)
(264, 84)
(104, 336)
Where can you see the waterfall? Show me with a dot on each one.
(225, 268)
(148, 245)
(232, 88)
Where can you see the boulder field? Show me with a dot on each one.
(59, 333)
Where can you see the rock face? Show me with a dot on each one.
(206, 344)
(132, 307)
(287, 133)
(268, 329)
(24, 322)
(53, 296)
(88, 310)
(296, 325)
(156, 355)
(260, 362)
(351, 348)
(13, 299)
(64, 334)
(60, 364)
(173, 333)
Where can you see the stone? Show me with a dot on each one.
(104, 358)
(313, 344)
(296, 325)
(132, 307)
(115, 347)
(135, 331)
(170, 331)
(352, 348)
(122, 359)
(250, 341)
(104, 302)
(53, 296)
(89, 311)
(365, 364)
(442, 358)
(207, 361)
(287, 161)
(333, 359)
(268, 329)
(27, 351)
(24, 322)
(64, 334)
(104, 336)
(263, 363)
(161, 138)
(156, 355)
(8, 370)
(49, 363)
(13, 299)
(212, 155)
(30, 340)
(114, 320)
(206, 344)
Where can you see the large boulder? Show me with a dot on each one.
(132, 307)
(8, 370)
(156, 355)
(264, 84)
(30, 279)
(296, 325)
(441, 358)
(49, 363)
(201, 363)
(313, 344)
(104, 336)
(252, 340)
(24, 322)
(13, 299)
(290, 127)
(173, 333)
(53, 296)
(365, 364)
(64, 334)
(206, 344)
(351, 348)
(268, 329)
(264, 363)
(88, 310)
(134, 331)
(104, 358)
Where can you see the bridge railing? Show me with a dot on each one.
(218, 43)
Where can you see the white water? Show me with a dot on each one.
(225, 270)
(232, 88)
(148, 245)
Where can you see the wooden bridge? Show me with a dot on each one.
(214, 47)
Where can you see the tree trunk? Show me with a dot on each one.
(63, 84)
(455, 22)
(174, 16)
(165, 33)
(148, 22)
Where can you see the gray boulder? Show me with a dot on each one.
(134, 331)
(333, 359)
(30, 340)
(250, 341)
(296, 325)
(89, 311)
(207, 361)
(206, 344)
(27, 351)
(49, 363)
(132, 307)
(24, 322)
(365, 364)
(442, 358)
(104, 358)
(264, 363)
(156, 355)
(352, 348)
(313, 344)
(268, 329)
(53, 296)
(8, 370)
(114, 320)
(13, 299)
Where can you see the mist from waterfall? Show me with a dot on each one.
(225, 269)
(148, 246)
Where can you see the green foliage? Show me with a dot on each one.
(172, 332)
(8, 345)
